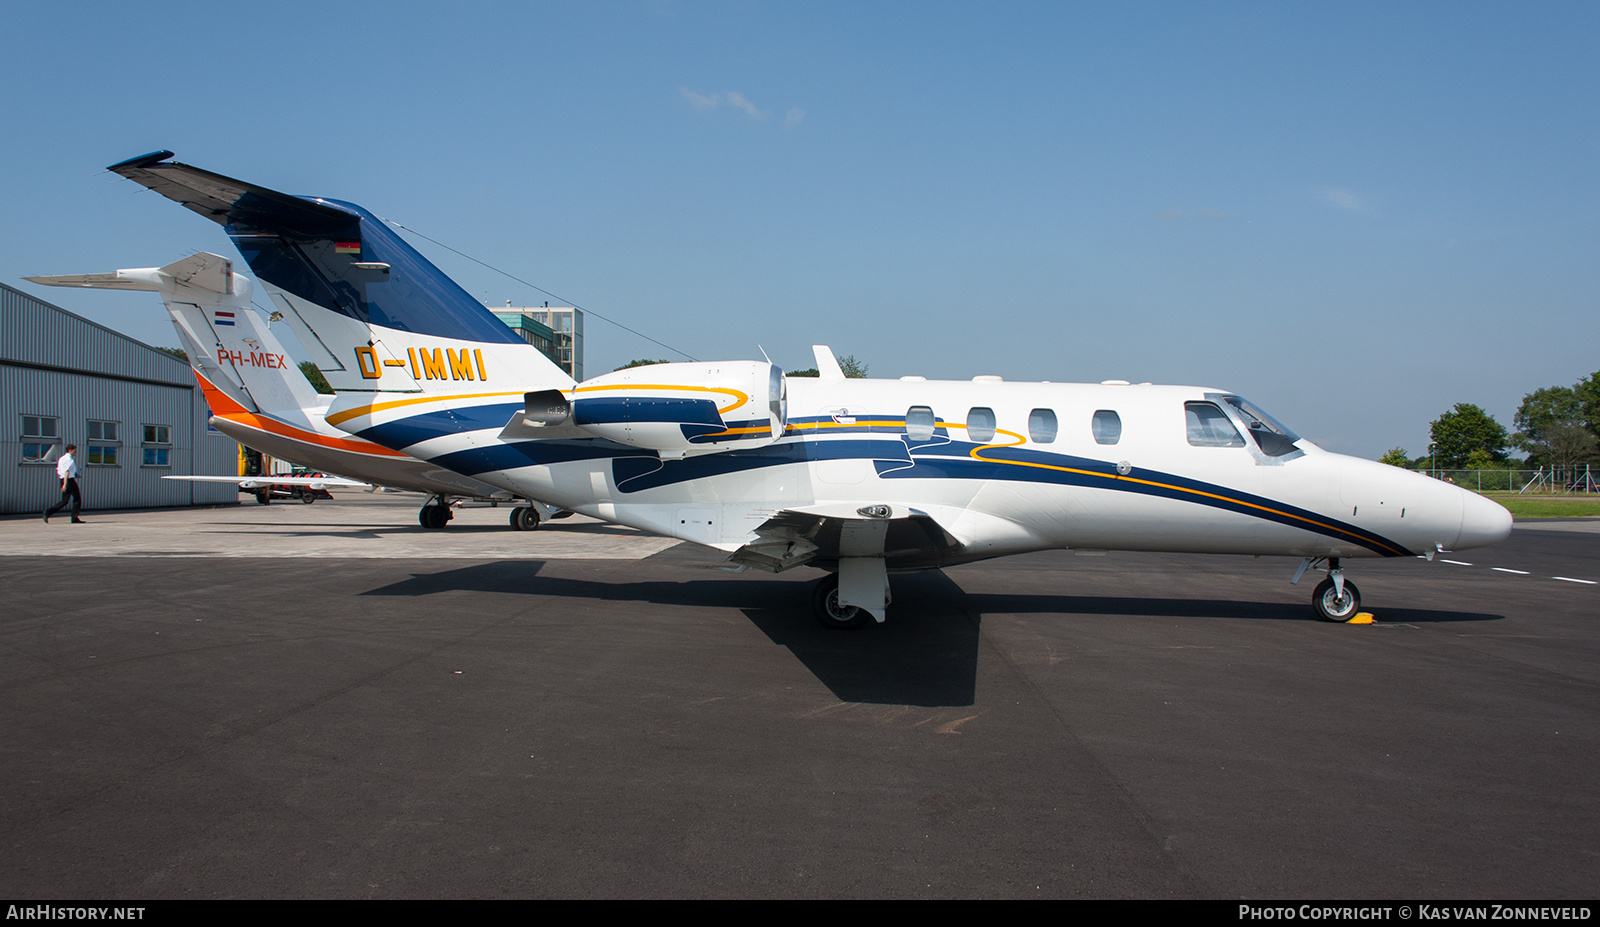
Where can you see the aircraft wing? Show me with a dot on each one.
(906, 538)
(259, 482)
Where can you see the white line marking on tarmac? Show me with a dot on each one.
(1565, 579)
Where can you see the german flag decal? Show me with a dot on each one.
(347, 247)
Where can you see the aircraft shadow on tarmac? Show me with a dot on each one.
(926, 655)
(333, 530)
(1002, 603)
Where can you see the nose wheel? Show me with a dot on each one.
(1333, 605)
(1336, 598)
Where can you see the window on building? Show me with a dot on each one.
(40, 435)
(1042, 426)
(1107, 427)
(157, 446)
(980, 424)
(920, 423)
(103, 440)
(1209, 426)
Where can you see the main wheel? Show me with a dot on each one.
(433, 517)
(307, 498)
(524, 518)
(264, 496)
(1330, 607)
(828, 611)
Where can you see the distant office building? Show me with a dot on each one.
(555, 330)
(133, 412)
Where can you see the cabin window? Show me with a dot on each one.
(1042, 426)
(980, 425)
(1209, 426)
(919, 423)
(1107, 427)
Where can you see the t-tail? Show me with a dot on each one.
(398, 339)
(375, 315)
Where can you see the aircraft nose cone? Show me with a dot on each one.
(1482, 522)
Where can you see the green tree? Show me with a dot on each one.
(808, 372)
(1588, 392)
(179, 353)
(318, 381)
(1552, 427)
(1396, 457)
(1461, 431)
(643, 362)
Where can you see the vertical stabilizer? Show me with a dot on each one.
(376, 315)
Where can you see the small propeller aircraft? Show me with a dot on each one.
(859, 477)
(259, 397)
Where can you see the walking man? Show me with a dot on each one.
(67, 469)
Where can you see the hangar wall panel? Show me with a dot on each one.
(59, 366)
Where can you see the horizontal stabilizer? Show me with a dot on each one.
(112, 281)
(203, 270)
(259, 482)
(227, 201)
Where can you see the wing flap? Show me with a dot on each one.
(818, 536)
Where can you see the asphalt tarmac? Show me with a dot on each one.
(329, 702)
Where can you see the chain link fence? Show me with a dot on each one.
(1545, 480)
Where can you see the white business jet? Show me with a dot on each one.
(259, 397)
(862, 478)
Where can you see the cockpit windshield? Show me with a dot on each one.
(1269, 435)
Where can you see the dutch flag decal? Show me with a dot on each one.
(221, 318)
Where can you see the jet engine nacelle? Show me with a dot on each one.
(685, 408)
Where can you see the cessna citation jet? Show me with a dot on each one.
(861, 478)
(258, 397)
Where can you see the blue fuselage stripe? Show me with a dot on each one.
(894, 457)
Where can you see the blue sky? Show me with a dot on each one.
(1357, 215)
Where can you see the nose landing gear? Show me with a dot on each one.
(1335, 598)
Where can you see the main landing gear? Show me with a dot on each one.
(831, 614)
(436, 514)
(1335, 598)
(524, 518)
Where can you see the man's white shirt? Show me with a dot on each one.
(67, 468)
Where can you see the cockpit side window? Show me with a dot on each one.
(1209, 426)
(1273, 439)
